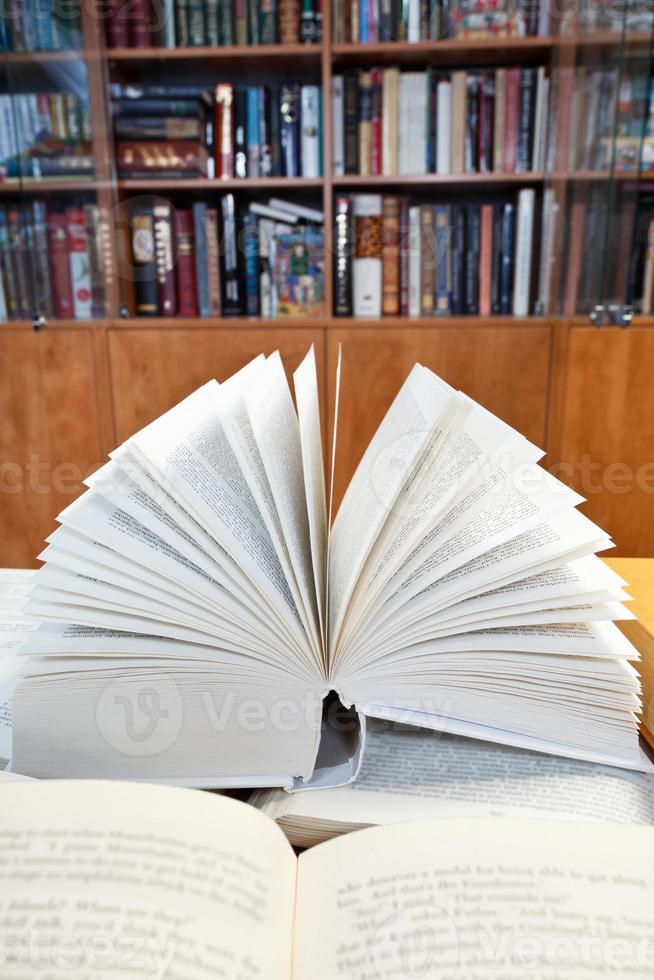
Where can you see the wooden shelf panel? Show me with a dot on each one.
(426, 180)
(204, 184)
(32, 185)
(38, 58)
(471, 51)
(217, 54)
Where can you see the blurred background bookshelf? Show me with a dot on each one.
(185, 184)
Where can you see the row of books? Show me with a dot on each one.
(45, 134)
(371, 21)
(236, 131)
(388, 121)
(263, 260)
(195, 23)
(396, 258)
(51, 262)
(640, 284)
(40, 25)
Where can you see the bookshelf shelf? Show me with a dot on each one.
(445, 180)
(36, 58)
(469, 51)
(253, 52)
(71, 185)
(205, 184)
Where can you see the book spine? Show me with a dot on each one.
(496, 287)
(149, 158)
(117, 30)
(201, 258)
(224, 130)
(182, 30)
(253, 132)
(458, 127)
(458, 258)
(230, 269)
(415, 264)
(144, 261)
(523, 252)
(338, 127)
(365, 123)
(211, 23)
(547, 247)
(485, 259)
(240, 22)
(42, 269)
(473, 247)
(196, 23)
(351, 86)
(78, 253)
(443, 278)
(512, 98)
(268, 22)
(310, 122)
(226, 22)
(240, 138)
(266, 166)
(473, 85)
(343, 257)
(390, 91)
(508, 240)
(526, 108)
(266, 234)
(404, 256)
(444, 113)
(164, 252)
(139, 24)
(251, 240)
(289, 21)
(254, 26)
(499, 120)
(428, 260)
(158, 128)
(290, 129)
(577, 226)
(59, 266)
(367, 265)
(92, 227)
(185, 265)
(376, 122)
(213, 260)
(486, 121)
(391, 255)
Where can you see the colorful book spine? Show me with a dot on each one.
(80, 269)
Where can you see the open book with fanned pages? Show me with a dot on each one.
(201, 615)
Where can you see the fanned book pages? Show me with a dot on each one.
(197, 615)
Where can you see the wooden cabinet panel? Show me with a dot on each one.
(49, 434)
(503, 368)
(607, 441)
(153, 369)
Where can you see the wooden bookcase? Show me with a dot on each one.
(73, 390)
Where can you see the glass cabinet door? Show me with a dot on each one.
(55, 250)
(597, 160)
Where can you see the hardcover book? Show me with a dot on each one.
(200, 612)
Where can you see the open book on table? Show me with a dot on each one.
(118, 880)
(196, 611)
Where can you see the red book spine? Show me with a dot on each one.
(485, 259)
(377, 85)
(60, 266)
(224, 136)
(185, 269)
(512, 100)
(117, 21)
(140, 35)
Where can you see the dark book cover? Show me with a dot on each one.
(377, 86)
(268, 22)
(226, 22)
(150, 158)
(443, 277)
(508, 249)
(144, 262)
(211, 23)
(404, 256)
(182, 33)
(240, 133)
(196, 23)
(250, 236)
(275, 136)
(391, 255)
(232, 303)
(289, 111)
(9, 273)
(458, 259)
(386, 21)
(425, 20)
(164, 249)
(96, 259)
(526, 112)
(157, 128)
(473, 246)
(496, 267)
(155, 106)
(117, 29)
(343, 257)
(39, 220)
(240, 22)
(351, 121)
(289, 21)
(140, 35)
(201, 257)
(254, 35)
(185, 267)
(432, 121)
(212, 233)
(265, 132)
(486, 122)
(21, 261)
(473, 86)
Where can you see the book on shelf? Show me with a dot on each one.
(43, 25)
(466, 259)
(468, 896)
(408, 773)
(45, 134)
(202, 565)
(52, 262)
(391, 122)
(375, 21)
(199, 23)
(257, 260)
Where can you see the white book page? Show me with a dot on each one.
(477, 898)
(305, 380)
(15, 584)
(390, 457)
(91, 846)
(415, 774)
